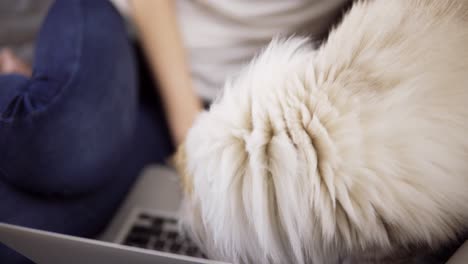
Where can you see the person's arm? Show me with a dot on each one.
(159, 34)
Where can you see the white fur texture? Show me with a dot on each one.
(361, 146)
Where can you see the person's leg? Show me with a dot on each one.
(74, 136)
(84, 216)
(152, 124)
(62, 129)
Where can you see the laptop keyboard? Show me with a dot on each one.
(160, 233)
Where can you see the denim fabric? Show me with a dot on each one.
(73, 118)
(75, 135)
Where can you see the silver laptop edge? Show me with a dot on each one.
(50, 248)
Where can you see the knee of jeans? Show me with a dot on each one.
(65, 129)
(73, 145)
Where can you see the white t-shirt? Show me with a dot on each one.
(221, 36)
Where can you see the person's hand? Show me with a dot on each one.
(9, 63)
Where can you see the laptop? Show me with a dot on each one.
(144, 230)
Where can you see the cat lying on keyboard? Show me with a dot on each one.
(357, 150)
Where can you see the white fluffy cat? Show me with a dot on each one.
(356, 150)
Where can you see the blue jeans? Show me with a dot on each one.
(75, 135)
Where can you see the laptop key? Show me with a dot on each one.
(158, 245)
(175, 248)
(161, 234)
(172, 235)
(138, 240)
